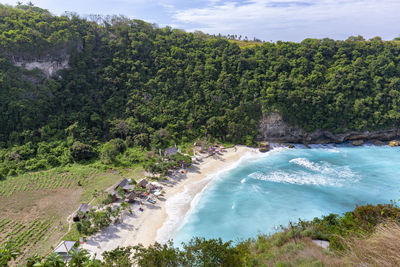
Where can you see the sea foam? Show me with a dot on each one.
(293, 183)
(176, 206)
(323, 174)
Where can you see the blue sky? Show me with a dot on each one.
(287, 20)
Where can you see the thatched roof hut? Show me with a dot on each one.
(81, 212)
(170, 151)
(115, 196)
(131, 196)
(142, 183)
(126, 185)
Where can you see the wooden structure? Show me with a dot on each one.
(142, 183)
(126, 185)
(170, 151)
(64, 248)
(81, 212)
(131, 197)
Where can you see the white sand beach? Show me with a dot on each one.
(142, 227)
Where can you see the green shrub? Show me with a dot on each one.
(80, 151)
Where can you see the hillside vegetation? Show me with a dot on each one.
(156, 78)
(367, 236)
(132, 88)
(131, 84)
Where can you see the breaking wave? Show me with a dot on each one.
(312, 173)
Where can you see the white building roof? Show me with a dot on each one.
(64, 247)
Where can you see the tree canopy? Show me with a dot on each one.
(149, 86)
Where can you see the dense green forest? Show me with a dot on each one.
(133, 84)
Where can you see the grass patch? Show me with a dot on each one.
(73, 234)
(50, 197)
(245, 44)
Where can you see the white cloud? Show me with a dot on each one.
(274, 20)
(295, 20)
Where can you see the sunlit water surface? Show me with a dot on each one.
(268, 190)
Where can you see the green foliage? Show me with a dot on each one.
(198, 252)
(132, 85)
(8, 251)
(80, 151)
(111, 149)
(108, 200)
(360, 222)
(96, 220)
(53, 260)
(213, 252)
(118, 257)
(79, 258)
(159, 165)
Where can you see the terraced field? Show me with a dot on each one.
(34, 207)
(43, 180)
(25, 235)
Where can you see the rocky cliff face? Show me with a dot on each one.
(49, 62)
(274, 129)
(48, 65)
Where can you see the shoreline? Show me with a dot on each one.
(157, 222)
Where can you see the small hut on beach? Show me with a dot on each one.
(170, 151)
(115, 196)
(131, 197)
(125, 185)
(81, 212)
(64, 248)
(142, 183)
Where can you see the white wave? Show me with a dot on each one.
(175, 206)
(325, 168)
(299, 178)
(307, 164)
(326, 176)
(180, 206)
(243, 180)
(333, 150)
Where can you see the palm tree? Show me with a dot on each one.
(54, 260)
(79, 258)
(94, 263)
(8, 252)
(34, 260)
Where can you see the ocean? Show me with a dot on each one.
(264, 191)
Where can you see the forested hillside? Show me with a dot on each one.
(132, 82)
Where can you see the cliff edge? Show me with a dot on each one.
(274, 129)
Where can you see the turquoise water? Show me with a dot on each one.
(271, 189)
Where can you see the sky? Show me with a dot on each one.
(269, 20)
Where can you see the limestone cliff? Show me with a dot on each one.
(274, 129)
(49, 65)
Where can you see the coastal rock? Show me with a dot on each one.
(357, 142)
(394, 143)
(379, 143)
(307, 145)
(264, 147)
(273, 128)
(321, 243)
(291, 146)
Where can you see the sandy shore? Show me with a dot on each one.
(143, 227)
